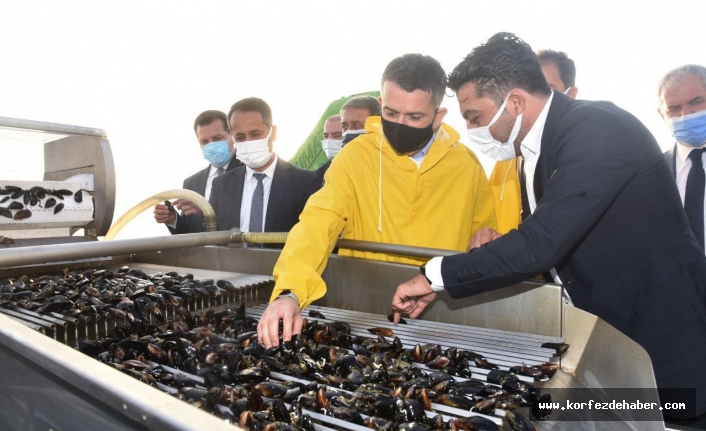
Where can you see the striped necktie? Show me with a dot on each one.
(258, 199)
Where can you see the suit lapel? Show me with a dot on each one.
(202, 180)
(673, 160)
(557, 109)
(280, 183)
(236, 184)
(234, 163)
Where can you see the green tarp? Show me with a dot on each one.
(310, 155)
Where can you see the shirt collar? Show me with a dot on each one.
(270, 171)
(213, 169)
(532, 143)
(684, 150)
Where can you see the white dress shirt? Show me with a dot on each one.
(530, 148)
(683, 166)
(249, 190)
(211, 176)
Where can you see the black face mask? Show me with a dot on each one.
(406, 139)
(349, 135)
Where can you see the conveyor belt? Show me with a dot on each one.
(502, 348)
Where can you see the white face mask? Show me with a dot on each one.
(254, 154)
(484, 141)
(332, 147)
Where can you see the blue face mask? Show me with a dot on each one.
(690, 129)
(216, 153)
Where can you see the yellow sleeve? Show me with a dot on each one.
(508, 198)
(311, 241)
(484, 208)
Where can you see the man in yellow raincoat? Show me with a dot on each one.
(407, 180)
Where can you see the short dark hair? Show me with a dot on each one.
(417, 72)
(363, 102)
(565, 65)
(502, 63)
(253, 104)
(207, 117)
(675, 77)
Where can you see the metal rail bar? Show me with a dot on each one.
(43, 126)
(51, 253)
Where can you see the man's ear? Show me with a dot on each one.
(573, 92)
(440, 114)
(516, 103)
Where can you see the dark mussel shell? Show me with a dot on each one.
(391, 318)
(13, 188)
(251, 375)
(316, 314)
(50, 203)
(518, 422)
(5, 199)
(385, 332)
(541, 414)
(5, 212)
(22, 214)
(78, 196)
(17, 194)
(559, 348)
(15, 205)
(58, 208)
(474, 423)
(26, 198)
(63, 192)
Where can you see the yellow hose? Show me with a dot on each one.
(265, 237)
(209, 216)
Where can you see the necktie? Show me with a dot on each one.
(523, 188)
(694, 195)
(257, 202)
(220, 172)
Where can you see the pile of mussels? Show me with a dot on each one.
(212, 360)
(22, 199)
(221, 368)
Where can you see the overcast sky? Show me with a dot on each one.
(143, 70)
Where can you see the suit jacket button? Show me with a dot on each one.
(479, 274)
(460, 279)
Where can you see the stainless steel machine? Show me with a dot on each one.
(74, 158)
(520, 319)
(45, 383)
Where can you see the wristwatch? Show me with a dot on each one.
(423, 270)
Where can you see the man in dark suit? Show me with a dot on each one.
(268, 193)
(605, 215)
(211, 128)
(682, 105)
